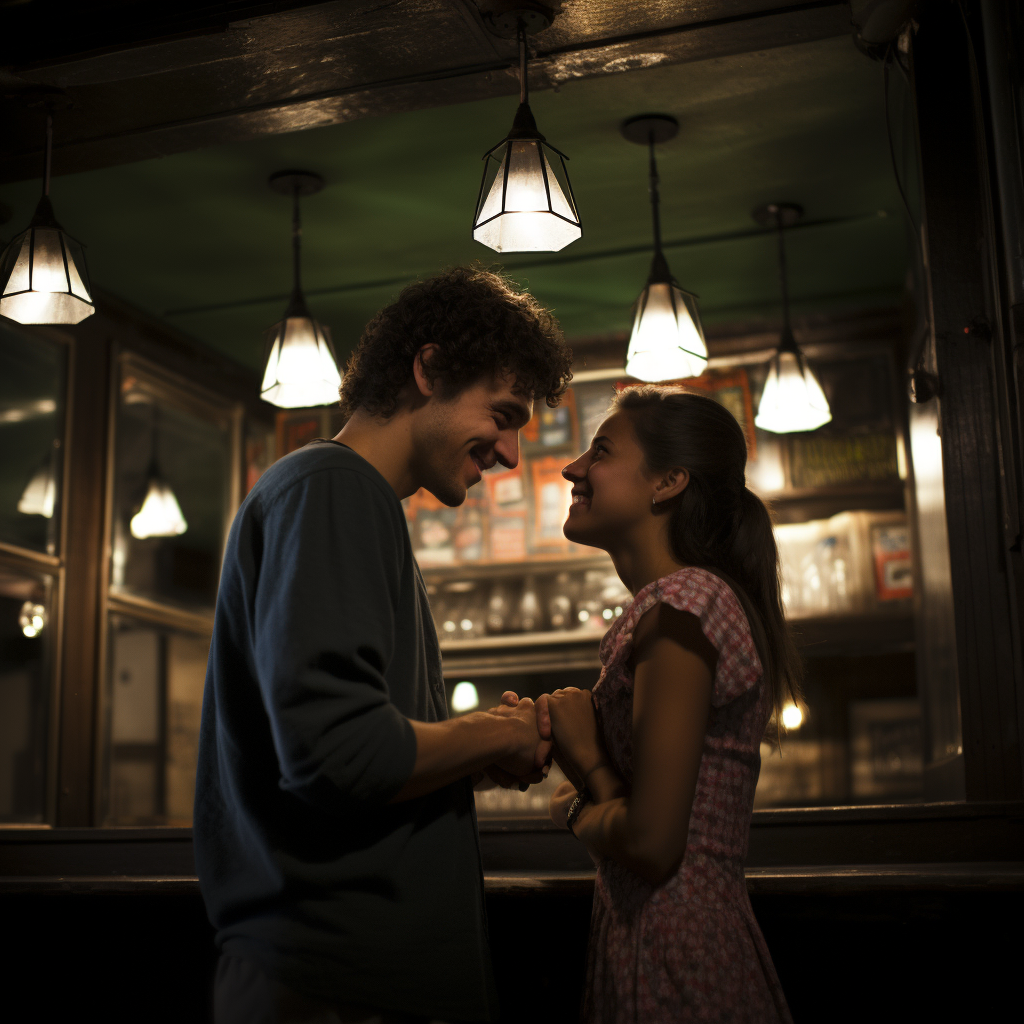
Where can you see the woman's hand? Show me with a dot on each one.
(561, 801)
(568, 717)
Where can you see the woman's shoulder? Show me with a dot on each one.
(688, 589)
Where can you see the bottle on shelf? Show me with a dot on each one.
(562, 602)
(499, 608)
(529, 607)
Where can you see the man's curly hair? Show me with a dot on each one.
(482, 325)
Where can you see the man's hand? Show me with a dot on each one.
(529, 752)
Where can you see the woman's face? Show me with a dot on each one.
(611, 486)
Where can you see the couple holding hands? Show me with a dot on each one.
(335, 833)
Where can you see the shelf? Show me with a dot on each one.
(538, 565)
(566, 650)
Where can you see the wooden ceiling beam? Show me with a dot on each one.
(320, 65)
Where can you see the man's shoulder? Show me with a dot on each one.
(319, 461)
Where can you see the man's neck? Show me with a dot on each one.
(386, 444)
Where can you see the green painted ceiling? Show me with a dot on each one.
(802, 123)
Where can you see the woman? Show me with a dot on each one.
(664, 756)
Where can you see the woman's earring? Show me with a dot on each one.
(654, 504)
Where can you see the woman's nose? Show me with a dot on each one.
(574, 471)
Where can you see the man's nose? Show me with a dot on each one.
(507, 448)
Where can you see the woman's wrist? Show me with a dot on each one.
(603, 781)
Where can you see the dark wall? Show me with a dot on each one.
(886, 957)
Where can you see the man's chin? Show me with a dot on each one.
(449, 494)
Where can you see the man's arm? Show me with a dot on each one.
(447, 751)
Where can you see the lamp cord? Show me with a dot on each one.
(654, 181)
(783, 283)
(47, 160)
(524, 85)
(296, 237)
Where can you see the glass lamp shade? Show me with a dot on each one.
(38, 497)
(301, 370)
(792, 398)
(43, 277)
(524, 206)
(667, 341)
(160, 515)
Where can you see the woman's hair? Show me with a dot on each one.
(482, 324)
(717, 522)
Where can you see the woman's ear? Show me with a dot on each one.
(671, 483)
(420, 367)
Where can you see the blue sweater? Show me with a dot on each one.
(323, 647)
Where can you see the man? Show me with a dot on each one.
(335, 832)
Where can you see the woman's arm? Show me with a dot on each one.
(646, 830)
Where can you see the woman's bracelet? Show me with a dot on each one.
(582, 797)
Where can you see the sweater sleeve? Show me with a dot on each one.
(324, 625)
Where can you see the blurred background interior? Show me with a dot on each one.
(897, 520)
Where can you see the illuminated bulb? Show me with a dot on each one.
(792, 717)
(583, 616)
(38, 497)
(301, 371)
(466, 624)
(667, 343)
(792, 398)
(160, 515)
(464, 697)
(32, 619)
(517, 215)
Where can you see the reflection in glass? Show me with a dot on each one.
(172, 489)
(154, 702)
(26, 672)
(31, 428)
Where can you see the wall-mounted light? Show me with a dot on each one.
(667, 342)
(160, 515)
(43, 277)
(792, 398)
(301, 368)
(525, 202)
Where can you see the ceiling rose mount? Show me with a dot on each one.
(647, 128)
(302, 183)
(778, 215)
(505, 21)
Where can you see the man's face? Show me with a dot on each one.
(456, 439)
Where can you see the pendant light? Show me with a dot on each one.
(667, 342)
(301, 369)
(40, 492)
(43, 277)
(525, 202)
(792, 399)
(160, 515)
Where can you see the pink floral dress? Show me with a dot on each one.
(690, 949)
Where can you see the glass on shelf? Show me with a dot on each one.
(562, 602)
(27, 638)
(32, 373)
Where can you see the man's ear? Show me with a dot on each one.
(671, 483)
(420, 365)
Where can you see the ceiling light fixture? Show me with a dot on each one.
(160, 515)
(301, 368)
(792, 399)
(668, 340)
(43, 277)
(525, 203)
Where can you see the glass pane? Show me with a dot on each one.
(154, 702)
(31, 428)
(172, 490)
(26, 675)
